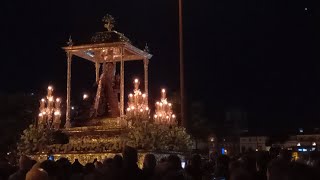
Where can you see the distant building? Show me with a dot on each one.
(253, 143)
(303, 142)
(229, 145)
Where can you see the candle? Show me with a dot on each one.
(42, 104)
(163, 94)
(58, 103)
(50, 90)
(50, 102)
(41, 118)
(136, 84)
(57, 115)
(130, 98)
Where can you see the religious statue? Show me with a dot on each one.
(106, 100)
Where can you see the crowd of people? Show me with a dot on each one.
(251, 166)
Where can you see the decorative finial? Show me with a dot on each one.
(70, 43)
(109, 22)
(146, 48)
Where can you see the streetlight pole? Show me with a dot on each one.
(182, 100)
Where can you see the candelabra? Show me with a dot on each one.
(138, 109)
(163, 111)
(50, 114)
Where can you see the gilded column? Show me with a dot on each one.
(145, 65)
(69, 58)
(121, 84)
(97, 65)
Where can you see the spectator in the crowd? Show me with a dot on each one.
(117, 162)
(114, 172)
(130, 167)
(277, 170)
(194, 169)
(236, 164)
(149, 165)
(76, 170)
(262, 160)
(6, 169)
(37, 174)
(285, 155)
(299, 171)
(24, 166)
(174, 169)
(221, 168)
(63, 169)
(50, 167)
(161, 168)
(240, 174)
(99, 167)
(90, 172)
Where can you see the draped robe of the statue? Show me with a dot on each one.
(106, 100)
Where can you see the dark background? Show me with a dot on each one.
(259, 56)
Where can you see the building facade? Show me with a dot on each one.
(253, 143)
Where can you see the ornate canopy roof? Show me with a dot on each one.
(107, 46)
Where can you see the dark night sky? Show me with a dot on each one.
(259, 56)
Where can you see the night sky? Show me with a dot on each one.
(258, 56)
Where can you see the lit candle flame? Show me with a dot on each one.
(57, 113)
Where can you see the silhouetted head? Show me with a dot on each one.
(117, 161)
(89, 168)
(130, 156)
(107, 162)
(49, 166)
(196, 160)
(174, 162)
(149, 161)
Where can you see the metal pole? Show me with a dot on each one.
(183, 120)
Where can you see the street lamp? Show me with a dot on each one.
(85, 96)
